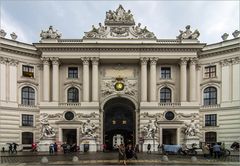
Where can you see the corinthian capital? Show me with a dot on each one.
(153, 60)
(85, 60)
(45, 60)
(3, 60)
(144, 60)
(184, 60)
(55, 60)
(13, 62)
(95, 60)
(193, 61)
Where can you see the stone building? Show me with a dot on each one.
(116, 82)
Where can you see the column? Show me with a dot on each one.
(60, 135)
(183, 79)
(78, 136)
(153, 87)
(3, 76)
(226, 80)
(46, 79)
(178, 136)
(235, 79)
(193, 79)
(85, 79)
(95, 79)
(55, 79)
(160, 135)
(144, 61)
(13, 80)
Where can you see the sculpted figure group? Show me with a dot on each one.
(50, 34)
(188, 34)
(119, 15)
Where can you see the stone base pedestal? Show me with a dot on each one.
(43, 145)
(88, 145)
(189, 140)
(153, 143)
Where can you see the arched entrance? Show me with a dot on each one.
(119, 122)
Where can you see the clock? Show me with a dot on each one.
(119, 86)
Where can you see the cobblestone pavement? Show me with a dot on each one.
(111, 158)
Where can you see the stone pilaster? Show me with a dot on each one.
(95, 61)
(144, 61)
(85, 61)
(55, 79)
(183, 79)
(153, 87)
(13, 80)
(3, 76)
(192, 78)
(46, 79)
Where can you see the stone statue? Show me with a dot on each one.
(50, 34)
(188, 34)
(46, 131)
(142, 33)
(151, 129)
(2, 33)
(120, 15)
(88, 129)
(192, 128)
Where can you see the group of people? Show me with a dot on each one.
(53, 147)
(126, 153)
(67, 148)
(12, 148)
(215, 150)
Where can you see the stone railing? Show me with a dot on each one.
(210, 106)
(168, 41)
(27, 106)
(69, 104)
(169, 104)
(70, 40)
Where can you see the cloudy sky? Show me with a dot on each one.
(74, 17)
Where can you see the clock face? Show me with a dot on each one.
(119, 86)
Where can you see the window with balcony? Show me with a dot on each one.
(211, 120)
(210, 96)
(165, 95)
(210, 71)
(27, 120)
(73, 95)
(28, 96)
(28, 71)
(72, 72)
(165, 72)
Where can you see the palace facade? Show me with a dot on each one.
(119, 77)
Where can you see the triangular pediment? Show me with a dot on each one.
(119, 24)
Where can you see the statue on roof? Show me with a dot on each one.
(188, 34)
(142, 33)
(50, 34)
(96, 32)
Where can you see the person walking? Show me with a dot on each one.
(216, 150)
(55, 147)
(122, 154)
(149, 148)
(206, 151)
(10, 148)
(15, 147)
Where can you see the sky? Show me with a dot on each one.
(164, 18)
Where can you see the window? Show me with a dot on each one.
(210, 137)
(211, 120)
(72, 72)
(27, 120)
(210, 96)
(165, 95)
(210, 71)
(165, 72)
(27, 71)
(73, 95)
(28, 96)
(27, 138)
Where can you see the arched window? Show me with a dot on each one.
(210, 96)
(28, 96)
(73, 95)
(27, 137)
(210, 137)
(165, 95)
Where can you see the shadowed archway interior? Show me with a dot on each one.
(119, 119)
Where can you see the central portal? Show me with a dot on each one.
(119, 122)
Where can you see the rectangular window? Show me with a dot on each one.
(27, 120)
(165, 72)
(72, 72)
(28, 71)
(211, 120)
(210, 71)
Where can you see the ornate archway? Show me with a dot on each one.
(119, 119)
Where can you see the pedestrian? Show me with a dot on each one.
(216, 150)
(10, 148)
(64, 146)
(55, 147)
(149, 148)
(206, 151)
(15, 147)
(51, 148)
(122, 154)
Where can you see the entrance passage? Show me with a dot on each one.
(169, 136)
(119, 122)
(70, 136)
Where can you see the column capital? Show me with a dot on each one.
(95, 60)
(3, 60)
(193, 61)
(45, 60)
(55, 60)
(236, 60)
(85, 60)
(144, 60)
(225, 62)
(153, 60)
(13, 62)
(184, 60)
